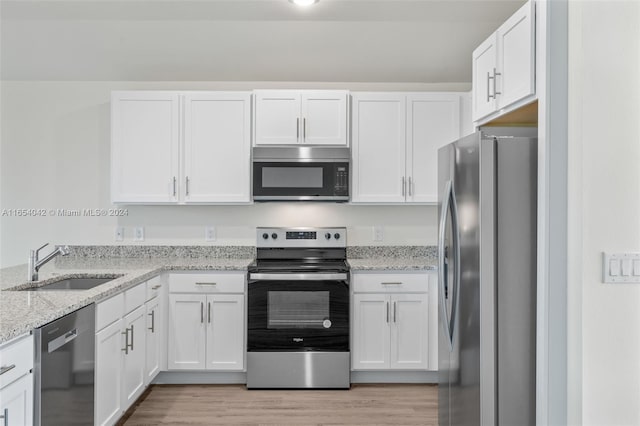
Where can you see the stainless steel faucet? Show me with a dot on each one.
(35, 264)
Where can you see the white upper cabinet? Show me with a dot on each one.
(504, 65)
(433, 120)
(180, 147)
(217, 147)
(396, 137)
(144, 146)
(289, 117)
(378, 147)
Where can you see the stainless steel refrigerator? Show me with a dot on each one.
(487, 201)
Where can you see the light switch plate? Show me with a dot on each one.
(138, 233)
(621, 267)
(210, 233)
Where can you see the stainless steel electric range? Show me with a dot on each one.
(298, 309)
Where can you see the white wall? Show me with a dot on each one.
(604, 206)
(55, 155)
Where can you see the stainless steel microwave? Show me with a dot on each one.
(301, 174)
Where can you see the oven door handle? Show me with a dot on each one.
(299, 277)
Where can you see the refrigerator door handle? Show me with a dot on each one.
(447, 289)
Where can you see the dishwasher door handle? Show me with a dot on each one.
(60, 341)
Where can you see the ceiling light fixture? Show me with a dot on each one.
(304, 2)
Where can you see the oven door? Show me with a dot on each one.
(298, 315)
(302, 181)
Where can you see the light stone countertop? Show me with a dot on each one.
(22, 311)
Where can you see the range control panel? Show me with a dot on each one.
(301, 237)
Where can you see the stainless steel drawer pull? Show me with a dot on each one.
(304, 129)
(395, 310)
(6, 368)
(297, 128)
(387, 312)
(392, 283)
(209, 313)
(155, 287)
(153, 321)
(126, 341)
(204, 283)
(5, 416)
(202, 312)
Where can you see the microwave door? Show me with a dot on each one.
(299, 181)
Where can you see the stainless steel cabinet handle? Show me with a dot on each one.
(126, 341)
(403, 186)
(153, 321)
(410, 184)
(495, 92)
(5, 416)
(209, 312)
(387, 312)
(6, 368)
(205, 283)
(187, 186)
(394, 311)
(175, 190)
(202, 312)
(489, 96)
(304, 129)
(297, 128)
(155, 287)
(131, 336)
(392, 283)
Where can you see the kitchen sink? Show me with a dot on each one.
(84, 283)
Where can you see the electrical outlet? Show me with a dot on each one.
(378, 233)
(119, 235)
(138, 233)
(210, 233)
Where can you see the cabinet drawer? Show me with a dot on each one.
(134, 297)
(16, 359)
(391, 283)
(207, 283)
(109, 311)
(154, 286)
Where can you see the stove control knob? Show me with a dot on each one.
(327, 236)
(265, 236)
(336, 236)
(274, 236)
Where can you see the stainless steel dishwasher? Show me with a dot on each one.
(64, 370)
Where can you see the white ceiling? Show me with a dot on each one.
(417, 41)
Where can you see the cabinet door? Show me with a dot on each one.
(225, 332)
(371, 316)
(133, 365)
(217, 130)
(144, 147)
(153, 332)
(324, 117)
(516, 56)
(433, 120)
(110, 343)
(483, 80)
(277, 117)
(186, 332)
(16, 402)
(409, 331)
(379, 123)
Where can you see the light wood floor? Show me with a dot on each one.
(235, 405)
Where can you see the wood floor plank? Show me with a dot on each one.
(383, 404)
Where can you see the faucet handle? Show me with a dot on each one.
(38, 250)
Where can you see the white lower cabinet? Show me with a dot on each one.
(120, 354)
(206, 322)
(16, 382)
(391, 322)
(206, 332)
(16, 402)
(154, 339)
